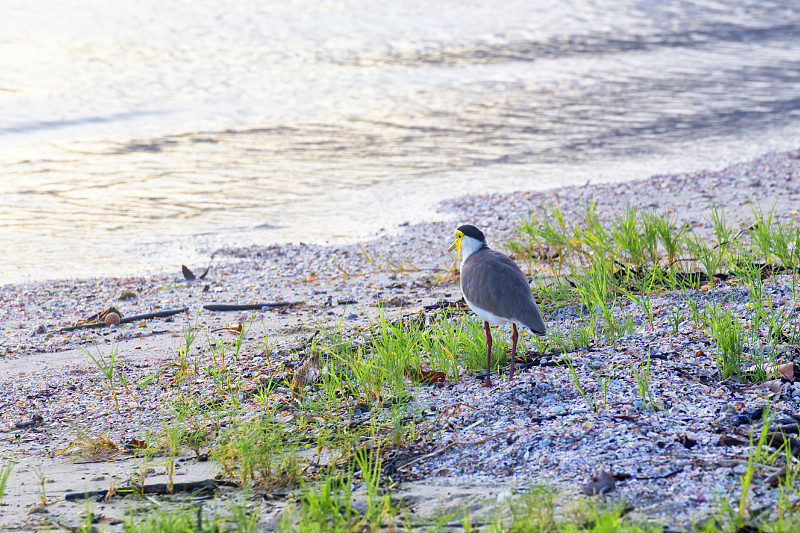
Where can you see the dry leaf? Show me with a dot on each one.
(101, 316)
(135, 444)
(236, 329)
(188, 274)
(783, 370)
(94, 448)
(775, 387)
(424, 376)
(127, 295)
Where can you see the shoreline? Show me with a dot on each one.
(734, 188)
(522, 201)
(49, 374)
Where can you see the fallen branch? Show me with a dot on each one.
(249, 307)
(127, 319)
(155, 314)
(206, 485)
(662, 476)
(446, 304)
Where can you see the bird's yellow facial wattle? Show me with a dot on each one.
(457, 243)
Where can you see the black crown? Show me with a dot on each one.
(471, 231)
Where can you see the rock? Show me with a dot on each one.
(112, 319)
(599, 484)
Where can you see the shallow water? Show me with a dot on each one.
(136, 136)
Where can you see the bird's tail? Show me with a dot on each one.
(534, 321)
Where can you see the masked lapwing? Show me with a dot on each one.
(495, 289)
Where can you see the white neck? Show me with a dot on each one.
(468, 247)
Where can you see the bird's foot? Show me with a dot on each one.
(488, 382)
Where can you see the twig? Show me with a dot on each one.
(127, 319)
(305, 344)
(155, 314)
(662, 476)
(445, 448)
(155, 488)
(249, 307)
(736, 237)
(446, 304)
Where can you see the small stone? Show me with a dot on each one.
(599, 484)
(112, 319)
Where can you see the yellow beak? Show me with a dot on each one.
(456, 246)
(457, 243)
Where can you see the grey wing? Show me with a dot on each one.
(494, 282)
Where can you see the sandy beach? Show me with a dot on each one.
(535, 429)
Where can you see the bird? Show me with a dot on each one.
(495, 289)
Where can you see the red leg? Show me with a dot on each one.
(514, 337)
(488, 382)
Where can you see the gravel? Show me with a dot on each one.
(670, 464)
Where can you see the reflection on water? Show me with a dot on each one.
(134, 139)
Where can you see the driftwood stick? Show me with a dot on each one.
(249, 307)
(155, 488)
(155, 314)
(445, 304)
(127, 319)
